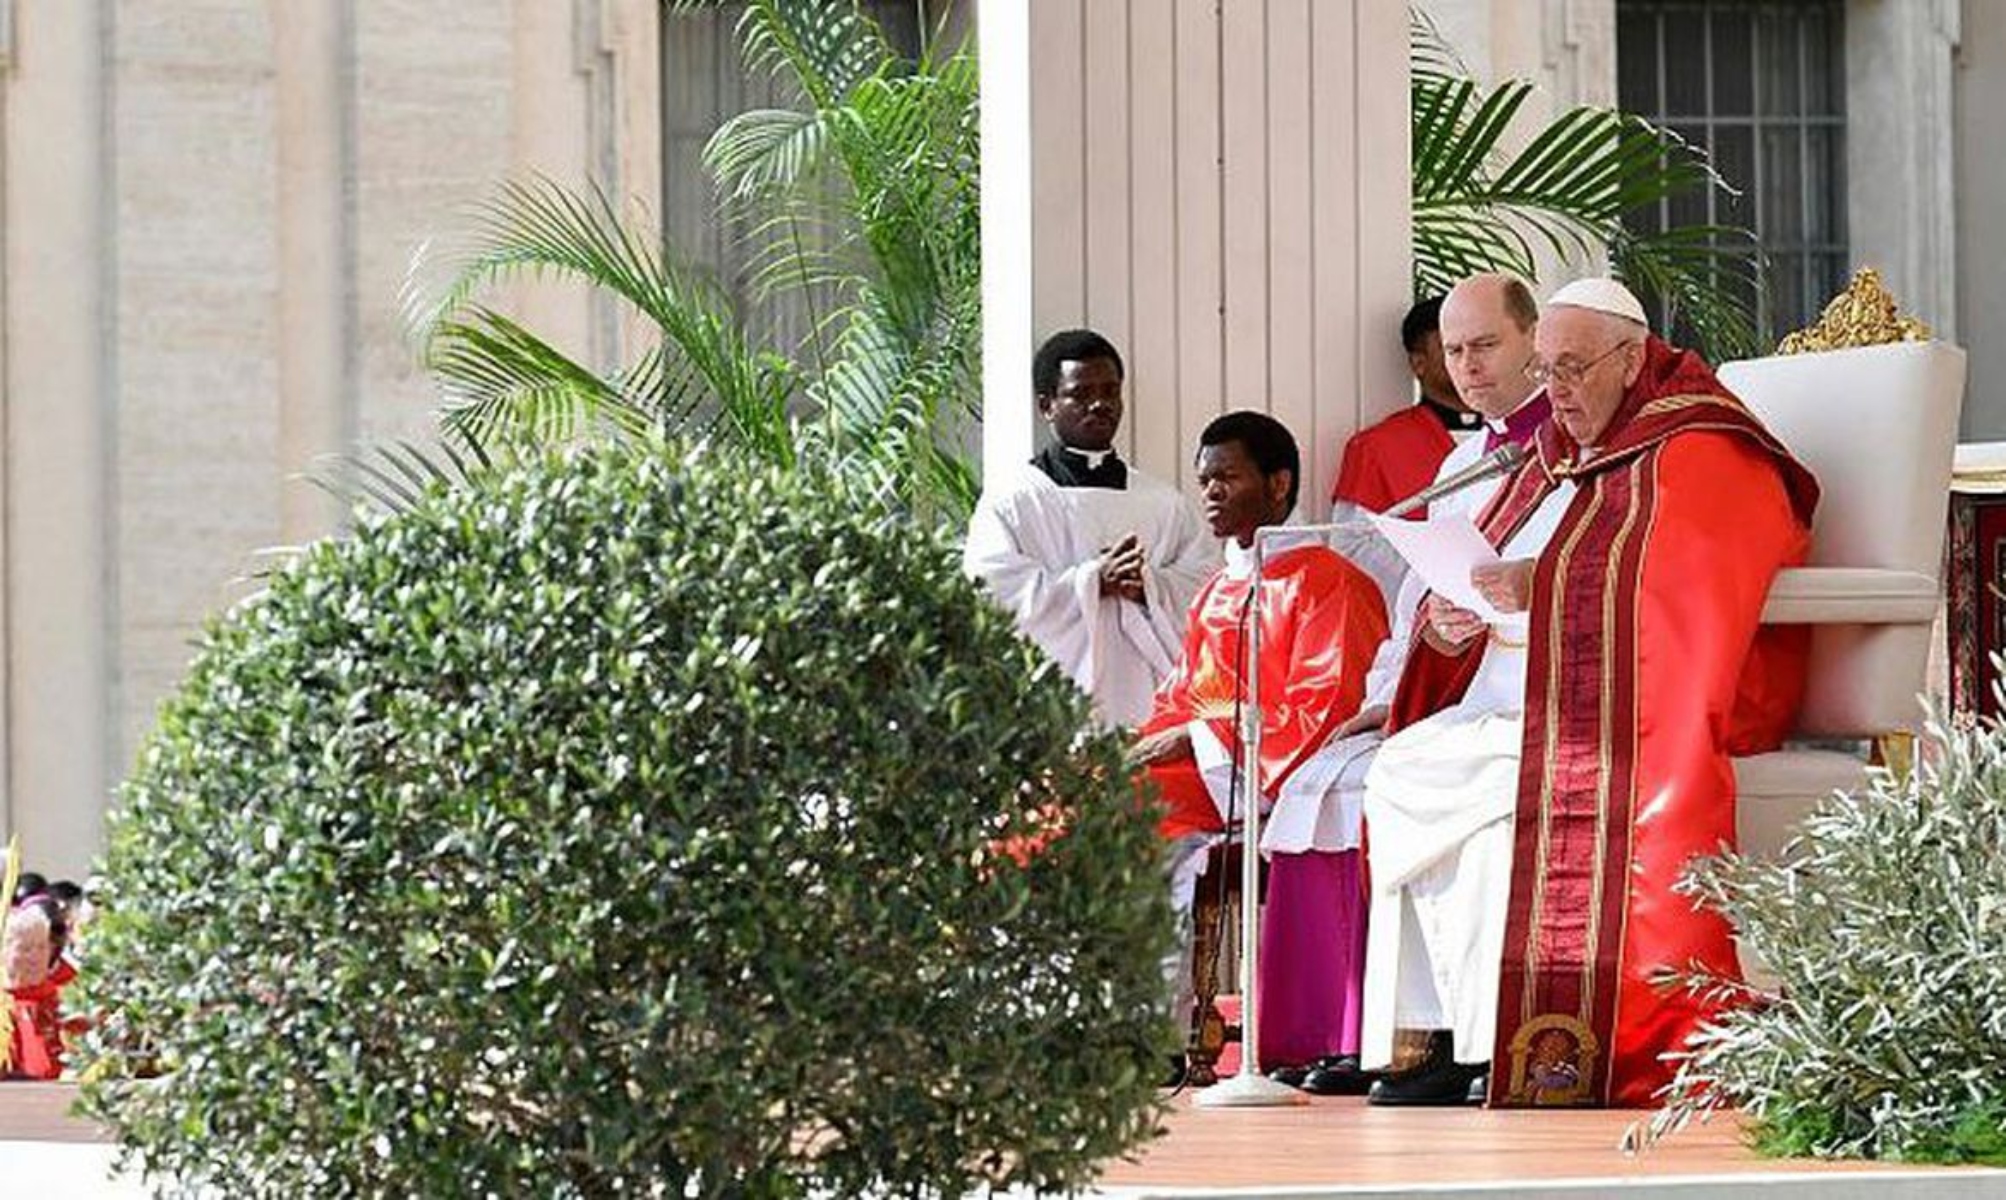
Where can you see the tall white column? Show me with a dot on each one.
(1007, 332)
(1221, 186)
(1901, 168)
(60, 425)
(1981, 235)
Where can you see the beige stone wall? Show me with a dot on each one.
(209, 210)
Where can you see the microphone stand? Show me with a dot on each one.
(1249, 1088)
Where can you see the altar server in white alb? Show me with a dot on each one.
(1097, 561)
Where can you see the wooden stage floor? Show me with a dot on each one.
(1331, 1147)
(1341, 1145)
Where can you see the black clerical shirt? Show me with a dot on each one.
(1070, 468)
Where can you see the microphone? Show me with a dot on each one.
(1498, 462)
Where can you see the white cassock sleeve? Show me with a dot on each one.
(1183, 556)
(1038, 551)
(1364, 547)
(1055, 604)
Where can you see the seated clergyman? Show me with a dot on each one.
(1548, 776)
(1321, 619)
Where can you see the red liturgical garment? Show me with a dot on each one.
(1647, 667)
(1388, 462)
(1321, 618)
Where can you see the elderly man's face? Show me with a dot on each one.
(1485, 349)
(1591, 359)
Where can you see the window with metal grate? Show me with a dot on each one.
(1760, 85)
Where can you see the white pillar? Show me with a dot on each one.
(1007, 332)
(1981, 235)
(1900, 151)
(1221, 186)
(60, 424)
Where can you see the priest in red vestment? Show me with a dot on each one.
(1553, 771)
(1387, 462)
(1321, 620)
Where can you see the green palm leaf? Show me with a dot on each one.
(861, 204)
(1567, 190)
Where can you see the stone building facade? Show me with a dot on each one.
(210, 208)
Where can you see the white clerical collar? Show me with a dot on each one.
(1240, 559)
(1094, 457)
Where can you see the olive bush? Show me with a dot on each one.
(628, 824)
(1885, 924)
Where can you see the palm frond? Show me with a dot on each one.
(1568, 190)
(500, 379)
(822, 48)
(770, 150)
(861, 202)
(392, 477)
(1709, 277)
(499, 366)
(1430, 56)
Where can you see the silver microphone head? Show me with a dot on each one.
(1500, 461)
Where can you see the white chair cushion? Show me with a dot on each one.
(1878, 426)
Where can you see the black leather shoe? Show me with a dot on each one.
(1338, 1075)
(1441, 1085)
(1292, 1076)
(1480, 1089)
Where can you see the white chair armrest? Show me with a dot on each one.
(1850, 596)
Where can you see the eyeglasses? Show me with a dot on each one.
(1566, 374)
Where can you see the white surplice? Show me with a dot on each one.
(1037, 546)
(1440, 796)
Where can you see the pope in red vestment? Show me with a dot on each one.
(1321, 621)
(1646, 667)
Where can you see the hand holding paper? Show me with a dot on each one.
(1507, 585)
(1443, 550)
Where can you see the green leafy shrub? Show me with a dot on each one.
(1885, 925)
(627, 826)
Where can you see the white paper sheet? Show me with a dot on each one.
(1442, 550)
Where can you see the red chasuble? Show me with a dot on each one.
(1388, 462)
(38, 1035)
(1647, 667)
(1321, 618)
